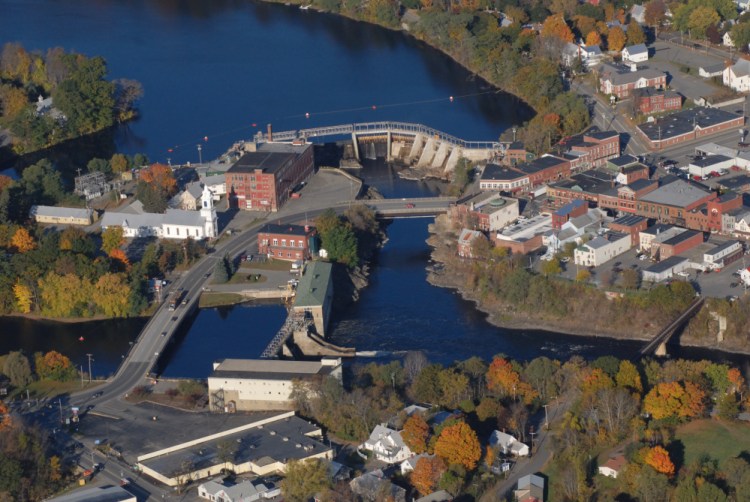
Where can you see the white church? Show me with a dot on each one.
(173, 224)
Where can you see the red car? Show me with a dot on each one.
(697, 178)
(409, 205)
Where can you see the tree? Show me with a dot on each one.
(13, 101)
(18, 369)
(54, 366)
(700, 19)
(341, 245)
(415, 433)
(713, 34)
(119, 163)
(583, 275)
(630, 279)
(86, 98)
(556, 27)
(672, 399)
(628, 377)
(635, 33)
(658, 458)
(112, 238)
(458, 444)
(427, 474)
(551, 267)
(161, 177)
(24, 297)
(221, 274)
(22, 241)
(655, 13)
(616, 39)
(740, 34)
(593, 38)
(112, 294)
(305, 478)
(99, 165)
(126, 93)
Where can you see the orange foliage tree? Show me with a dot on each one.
(5, 419)
(555, 26)
(120, 256)
(426, 474)
(22, 241)
(658, 458)
(616, 39)
(458, 444)
(503, 380)
(5, 181)
(672, 399)
(54, 366)
(594, 380)
(735, 378)
(593, 38)
(415, 433)
(161, 176)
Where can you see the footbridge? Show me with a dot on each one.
(658, 345)
(415, 144)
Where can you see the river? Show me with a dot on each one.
(212, 69)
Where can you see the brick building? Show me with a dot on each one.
(687, 125)
(708, 217)
(671, 202)
(588, 186)
(650, 101)
(621, 81)
(545, 169)
(516, 153)
(631, 225)
(570, 210)
(680, 243)
(286, 242)
(263, 180)
(594, 148)
(508, 179)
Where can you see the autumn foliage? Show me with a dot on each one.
(675, 400)
(54, 366)
(658, 458)
(555, 26)
(426, 474)
(593, 38)
(458, 444)
(415, 433)
(22, 241)
(5, 419)
(502, 379)
(161, 176)
(616, 39)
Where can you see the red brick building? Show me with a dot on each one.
(680, 243)
(286, 242)
(627, 195)
(570, 210)
(545, 169)
(264, 179)
(516, 153)
(671, 203)
(651, 101)
(632, 225)
(688, 125)
(593, 148)
(708, 217)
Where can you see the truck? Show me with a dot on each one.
(172, 304)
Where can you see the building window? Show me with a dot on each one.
(275, 242)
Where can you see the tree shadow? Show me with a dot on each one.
(676, 451)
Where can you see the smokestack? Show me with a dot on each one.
(269, 134)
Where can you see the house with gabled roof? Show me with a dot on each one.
(530, 488)
(737, 76)
(613, 466)
(387, 445)
(635, 53)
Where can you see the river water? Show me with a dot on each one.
(212, 69)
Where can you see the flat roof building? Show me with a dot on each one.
(670, 202)
(62, 215)
(687, 125)
(98, 494)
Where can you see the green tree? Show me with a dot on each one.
(99, 165)
(221, 274)
(551, 267)
(305, 478)
(86, 99)
(700, 19)
(341, 245)
(740, 34)
(112, 238)
(17, 369)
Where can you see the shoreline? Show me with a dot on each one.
(520, 321)
(71, 320)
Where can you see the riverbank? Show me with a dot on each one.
(603, 320)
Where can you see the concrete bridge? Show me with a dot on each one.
(410, 208)
(414, 144)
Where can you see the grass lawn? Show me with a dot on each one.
(718, 439)
(209, 299)
(281, 265)
(241, 277)
(50, 389)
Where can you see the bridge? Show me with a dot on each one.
(410, 208)
(658, 345)
(413, 143)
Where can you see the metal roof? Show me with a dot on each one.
(312, 287)
(678, 193)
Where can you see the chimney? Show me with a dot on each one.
(633, 67)
(269, 134)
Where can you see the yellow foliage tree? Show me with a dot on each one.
(23, 297)
(628, 377)
(22, 241)
(63, 295)
(555, 26)
(112, 238)
(616, 39)
(593, 38)
(112, 294)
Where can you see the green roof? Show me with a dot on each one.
(311, 290)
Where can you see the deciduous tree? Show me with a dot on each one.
(655, 13)
(593, 38)
(658, 458)
(555, 26)
(628, 377)
(112, 238)
(415, 433)
(635, 33)
(672, 399)
(112, 295)
(160, 176)
(22, 241)
(24, 297)
(427, 474)
(18, 369)
(700, 19)
(305, 478)
(458, 444)
(616, 39)
(54, 366)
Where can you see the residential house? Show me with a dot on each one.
(601, 249)
(741, 226)
(657, 101)
(620, 81)
(286, 242)
(574, 229)
(638, 13)
(216, 183)
(62, 215)
(486, 211)
(438, 496)
(613, 466)
(530, 488)
(635, 54)
(711, 70)
(737, 76)
(244, 491)
(372, 485)
(593, 55)
(508, 445)
(189, 199)
(745, 276)
(466, 241)
(726, 40)
(387, 445)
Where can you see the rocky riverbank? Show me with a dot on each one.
(604, 319)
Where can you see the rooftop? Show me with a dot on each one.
(681, 237)
(98, 494)
(592, 181)
(540, 164)
(526, 229)
(61, 212)
(494, 172)
(736, 183)
(664, 265)
(296, 230)
(623, 160)
(684, 122)
(601, 241)
(640, 184)
(313, 286)
(636, 49)
(710, 160)
(621, 75)
(570, 207)
(722, 247)
(678, 193)
(629, 221)
(657, 229)
(271, 369)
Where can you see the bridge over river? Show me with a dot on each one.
(415, 144)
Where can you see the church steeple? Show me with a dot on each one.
(208, 212)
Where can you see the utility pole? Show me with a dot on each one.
(546, 420)
(89, 356)
(59, 401)
(200, 155)
(532, 434)
(82, 376)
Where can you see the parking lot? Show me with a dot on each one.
(671, 59)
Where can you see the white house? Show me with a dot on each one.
(737, 76)
(711, 70)
(717, 257)
(508, 445)
(638, 13)
(726, 40)
(189, 199)
(217, 183)
(745, 276)
(573, 229)
(590, 55)
(613, 466)
(387, 445)
(635, 54)
(173, 224)
(241, 492)
(601, 249)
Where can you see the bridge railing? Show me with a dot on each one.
(384, 126)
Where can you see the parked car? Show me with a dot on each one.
(697, 178)
(714, 174)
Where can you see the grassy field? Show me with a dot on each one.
(209, 299)
(280, 265)
(50, 389)
(241, 277)
(717, 438)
